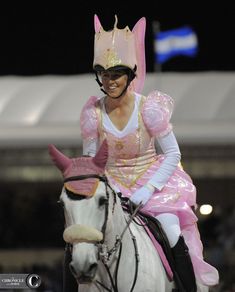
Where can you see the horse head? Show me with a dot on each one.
(85, 202)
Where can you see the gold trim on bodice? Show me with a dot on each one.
(129, 156)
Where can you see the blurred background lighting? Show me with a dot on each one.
(206, 209)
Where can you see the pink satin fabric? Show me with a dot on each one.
(133, 160)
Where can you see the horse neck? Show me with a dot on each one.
(116, 224)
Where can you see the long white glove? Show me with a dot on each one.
(142, 195)
(171, 150)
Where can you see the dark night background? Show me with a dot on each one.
(57, 38)
(41, 39)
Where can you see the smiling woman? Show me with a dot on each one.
(115, 81)
(132, 124)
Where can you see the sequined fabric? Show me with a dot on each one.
(133, 161)
(157, 112)
(80, 166)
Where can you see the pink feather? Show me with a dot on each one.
(97, 23)
(139, 33)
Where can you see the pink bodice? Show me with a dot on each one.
(129, 156)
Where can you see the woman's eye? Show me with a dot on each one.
(111, 76)
(116, 76)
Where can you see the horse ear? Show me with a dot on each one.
(59, 159)
(101, 156)
(97, 23)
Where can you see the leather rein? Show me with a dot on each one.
(105, 254)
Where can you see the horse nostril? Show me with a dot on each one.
(72, 269)
(92, 269)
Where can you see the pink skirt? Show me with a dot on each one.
(178, 197)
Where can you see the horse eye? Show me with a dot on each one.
(102, 201)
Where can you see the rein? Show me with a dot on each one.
(105, 254)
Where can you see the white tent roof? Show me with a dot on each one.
(35, 111)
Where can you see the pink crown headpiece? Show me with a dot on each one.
(121, 47)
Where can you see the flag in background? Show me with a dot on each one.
(175, 42)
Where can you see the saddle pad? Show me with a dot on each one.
(160, 251)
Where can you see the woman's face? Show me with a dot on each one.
(114, 82)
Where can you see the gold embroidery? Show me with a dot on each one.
(119, 145)
(111, 58)
(91, 192)
(130, 156)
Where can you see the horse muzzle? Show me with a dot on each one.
(84, 277)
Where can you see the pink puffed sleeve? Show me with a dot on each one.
(89, 119)
(156, 112)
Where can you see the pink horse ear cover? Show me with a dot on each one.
(70, 167)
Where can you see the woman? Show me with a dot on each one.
(131, 123)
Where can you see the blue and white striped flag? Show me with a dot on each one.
(175, 42)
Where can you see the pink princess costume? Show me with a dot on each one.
(133, 161)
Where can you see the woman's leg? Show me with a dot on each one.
(183, 265)
(171, 226)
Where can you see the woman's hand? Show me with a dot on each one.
(142, 195)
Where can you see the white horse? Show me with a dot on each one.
(109, 251)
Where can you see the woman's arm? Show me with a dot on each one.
(172, 154)
(90, 146)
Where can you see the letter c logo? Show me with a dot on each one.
(33, 281)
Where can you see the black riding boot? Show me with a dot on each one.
(69, 282)
(183, 266)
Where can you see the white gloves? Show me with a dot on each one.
(142, 195)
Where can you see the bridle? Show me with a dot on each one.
(106, 254)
